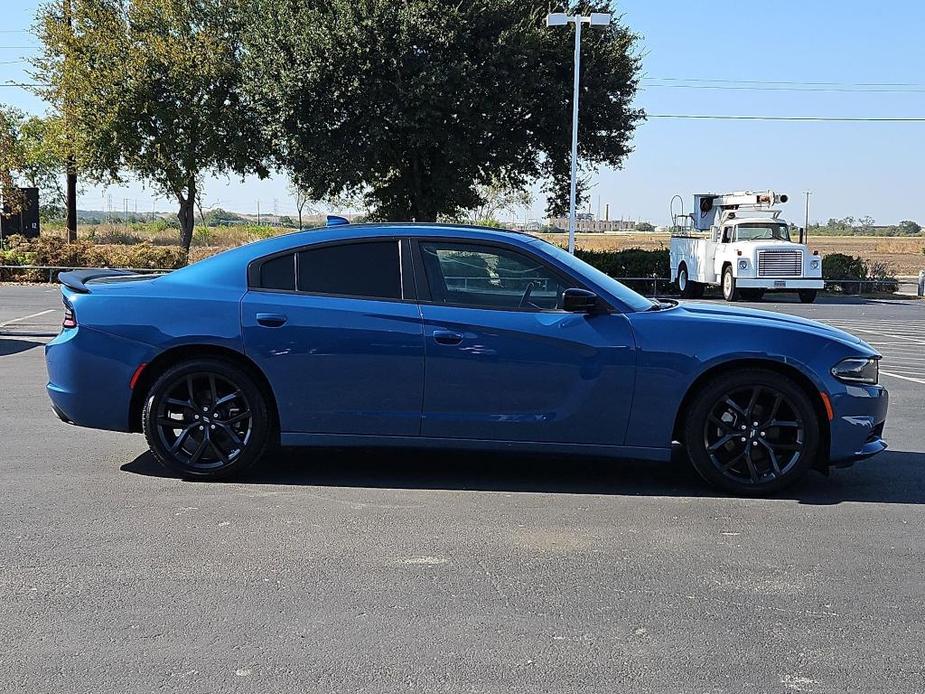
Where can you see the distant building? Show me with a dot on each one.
(586, 224)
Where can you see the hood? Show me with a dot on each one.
(764, 318)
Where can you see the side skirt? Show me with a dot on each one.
(378, 441)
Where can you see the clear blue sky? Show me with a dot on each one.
(856, 169)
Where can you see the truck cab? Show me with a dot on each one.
(739, 242)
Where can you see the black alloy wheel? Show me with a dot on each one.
(206, 419)
(752, 432)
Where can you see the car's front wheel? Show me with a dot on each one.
(752, 432)
(206, 418)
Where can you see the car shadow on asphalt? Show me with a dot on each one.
(9, 346)
(891, 477)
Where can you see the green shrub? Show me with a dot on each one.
(838, 266)
(632, 262)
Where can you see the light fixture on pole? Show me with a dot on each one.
(559, 19)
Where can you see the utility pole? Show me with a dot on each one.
(258, 213)
(71, 163)
(558, 19)
(806, 224)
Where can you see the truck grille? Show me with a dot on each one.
(780, 263)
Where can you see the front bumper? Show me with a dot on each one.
(781, 283)
(857, 427)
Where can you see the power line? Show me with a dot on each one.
(751, 88)
(804, 119)
(13, 62)
(786, 82)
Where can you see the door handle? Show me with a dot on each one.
(447, 337)
(271, 320)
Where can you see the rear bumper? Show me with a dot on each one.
(857, 428)
(772, 283)
(89, 376)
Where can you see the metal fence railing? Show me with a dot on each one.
(650, 286)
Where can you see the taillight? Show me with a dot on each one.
(70, 320)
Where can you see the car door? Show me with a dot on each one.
(505, 362)
(337, 331)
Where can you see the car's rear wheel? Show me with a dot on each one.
(752, 432)
(206, 419)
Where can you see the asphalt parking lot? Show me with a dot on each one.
(384, 572)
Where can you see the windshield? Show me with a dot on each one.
(769, 231)
(634, 301)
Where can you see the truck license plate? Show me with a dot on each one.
(779, 284)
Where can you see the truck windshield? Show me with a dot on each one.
(763, 231)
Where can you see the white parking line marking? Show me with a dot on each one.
(31, 315)
(904, 378)
(897, 337)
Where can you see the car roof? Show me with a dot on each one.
(224, 268)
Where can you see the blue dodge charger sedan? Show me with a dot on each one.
(448, 336)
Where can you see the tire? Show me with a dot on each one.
(808, 296)
(687, 288)
(752, 294)
(770, 457)
(730, 291)
(234, 435)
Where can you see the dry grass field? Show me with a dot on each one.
(904, 256)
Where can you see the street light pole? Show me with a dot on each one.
(561, 19)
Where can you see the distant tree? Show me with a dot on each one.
(30, 155)
(11, 159)
(497, 198)
(151, 87)
(644, 226)
(420, 105)
(302, 199)
(908, 228)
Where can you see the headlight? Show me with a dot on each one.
(814, 264)
(743, 264)
(857, 370)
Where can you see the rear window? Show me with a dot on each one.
(357, 269)
(278, 273)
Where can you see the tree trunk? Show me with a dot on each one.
(187, 215)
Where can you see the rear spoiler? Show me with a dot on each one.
(77, 279)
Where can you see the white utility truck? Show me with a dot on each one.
(739, 241)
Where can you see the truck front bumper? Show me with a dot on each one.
(782, 283)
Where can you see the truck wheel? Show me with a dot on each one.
(730, 291)
(687, 288)
(807, 296)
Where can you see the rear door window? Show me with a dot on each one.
(363, 270)
(278, 273)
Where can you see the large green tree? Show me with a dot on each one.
(151, 88)
(421, 106)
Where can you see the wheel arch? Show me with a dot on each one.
(181, 353)
(796, 375)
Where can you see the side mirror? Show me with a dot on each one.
(579, 301)
(802, 230)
